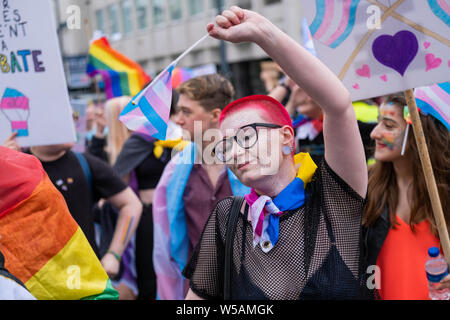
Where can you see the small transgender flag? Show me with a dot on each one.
(435, 100)
(148, 112)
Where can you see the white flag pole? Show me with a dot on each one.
(173, 63)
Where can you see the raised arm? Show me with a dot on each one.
(344, 150)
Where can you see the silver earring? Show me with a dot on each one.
(287, 150)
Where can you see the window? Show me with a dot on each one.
(195, 7)
(175, 8)
(267, 2)
(141, 13)
(245, 4)
(214, 4)
(126, 16)
(100, 19)
(158, 11)
(113, 16)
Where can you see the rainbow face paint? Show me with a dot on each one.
(389, 140)
(387, 113)
(392, 140)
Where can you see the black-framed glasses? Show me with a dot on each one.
(246, 137)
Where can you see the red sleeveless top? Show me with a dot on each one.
(402, 261)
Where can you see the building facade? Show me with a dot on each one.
(155, 32)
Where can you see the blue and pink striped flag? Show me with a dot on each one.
(148, 112)
(322, 28)
(435, 100)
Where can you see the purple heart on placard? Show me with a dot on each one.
(396, 52)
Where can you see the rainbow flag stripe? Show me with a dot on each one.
(43, 245)
(121, 75)
(181, 75)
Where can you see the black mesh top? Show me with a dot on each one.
(317, 255)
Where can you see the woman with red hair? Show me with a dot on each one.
(297, 233)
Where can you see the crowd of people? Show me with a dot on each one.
(298, 196)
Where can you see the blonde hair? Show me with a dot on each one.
(118, 133)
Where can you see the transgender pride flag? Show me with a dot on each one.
(148, 112)
(323, 28)
(435, 100)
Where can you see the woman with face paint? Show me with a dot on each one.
(399, 225)
(298, 230)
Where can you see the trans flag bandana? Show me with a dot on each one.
(265, 212)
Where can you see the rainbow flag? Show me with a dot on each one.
(180, 75)
(149, 111)
(435, 100)
(42, 244)
(121, 75)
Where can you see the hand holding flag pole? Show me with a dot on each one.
(148, 112)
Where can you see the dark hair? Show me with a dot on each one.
(211, 91)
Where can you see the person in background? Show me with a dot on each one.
(270, 74)
(94, 117)
(307, 118)
(399, 226)
(187, 192)
(141, 162)
(66, 173)
(108, 147)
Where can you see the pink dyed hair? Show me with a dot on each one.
(271, 109)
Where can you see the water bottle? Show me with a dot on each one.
(437, 269)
